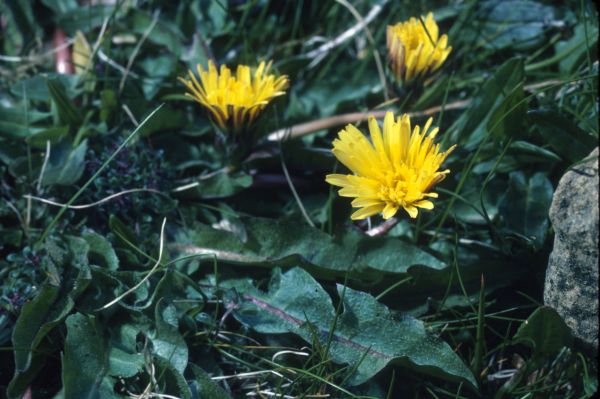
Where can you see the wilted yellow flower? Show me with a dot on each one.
(81, 54)
(395, 170)
(234, 100)
(413, 51)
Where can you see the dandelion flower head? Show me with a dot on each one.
(396, 169)
(234, 100)
(415, 48)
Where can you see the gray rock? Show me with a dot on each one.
(572, 276)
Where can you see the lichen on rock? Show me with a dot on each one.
(571, 285)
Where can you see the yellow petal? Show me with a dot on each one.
(366, 212)
(411, 210)
(389, 210)
(337, 180)
(424, 204)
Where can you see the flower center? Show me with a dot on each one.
(398, 190)
(394, 193)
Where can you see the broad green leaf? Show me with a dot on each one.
(525, 206)
(206, 387)
(213, 18)
(100, 248)
(367, 335)
(53, 135)
(564, 136)
(170, 380)
(47, 311)
(545, 331)
(160, 67)
(528, 152)
(167, 118)
(166, 341)
(332, 94)
(84, 18)
(124, 364)
(219, 185)
(21, 380)
(37, 318)
(163, 33)
(36, 88)
(85, 360)
(66, 266)
(18, 121)
(272, 243)
(65, 164)
(518, 24)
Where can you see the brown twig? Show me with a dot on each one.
(303, 129)
(382, 228)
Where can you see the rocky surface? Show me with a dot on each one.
(572, 277)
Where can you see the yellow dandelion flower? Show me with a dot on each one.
(395, 170)
(413, 51)
(234, 100)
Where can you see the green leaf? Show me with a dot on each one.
(525, 206)
(65, 165)
(205, 386)
(284, 243)
(19, 14)
(167, 118)
(573, 51)
(528, 152)
(124, 364)
(471, 127)
(17, 121)
(61, 6)
(564, 136)
(85, 18)
(517, 24)
(508, 117)
(166, 341)
(159, 67)
(121, 230)
(219, 185)
(108, 104)
(36, 87)
(85, 360)
(212, 18)
(36, 320)
(163, 33)
(101, 249)
(32, 324)
(367, 335)
(170, 379)
(53, 134)
(545, 331)
(67, 110)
